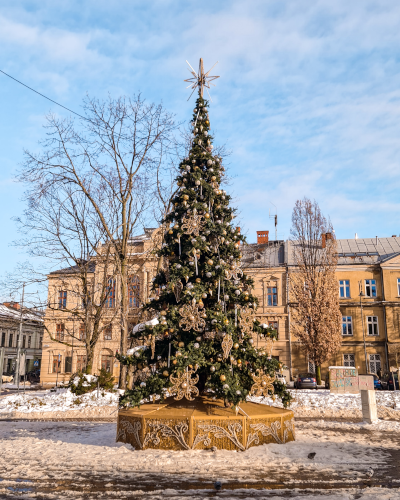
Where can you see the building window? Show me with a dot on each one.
(311, 367)
(347, 325)
(370, 288)
(344, 289)
(349, 360)
(274, 325)
(60, 332)
(62, 299)
(40, 342)
(398, 287)
(106, 362)
(68, 364)
(10, 340)
(29, 342)
(80, 362)
(372, 323)
(374, 363)
(82, 331)
(134, 291)
(23, 341)
(110, 299)
(108, 332)
(57, 363)
(17, 343)
(3, 339)
(272, 296)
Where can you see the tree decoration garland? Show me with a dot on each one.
(177, 289)
(191, 318)
(263, 385)
(234, 272)
(184, 385)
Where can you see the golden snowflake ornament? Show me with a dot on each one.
(246, 320)
(191, 319)
(234, 271)
(184, 385)
(263, 385)
(193, 224)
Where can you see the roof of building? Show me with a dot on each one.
(367, 250)
(75, 269)
(8, 312)
(271, 254)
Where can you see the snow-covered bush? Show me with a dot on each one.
(82, 383)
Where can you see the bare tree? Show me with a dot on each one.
(316, 319)
(61, 227)
(112, 159)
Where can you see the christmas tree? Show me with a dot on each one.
(206, 336)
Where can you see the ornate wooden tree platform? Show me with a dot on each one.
(202, 424)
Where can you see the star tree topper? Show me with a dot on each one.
(200, 79)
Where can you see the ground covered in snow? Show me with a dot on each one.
(306, 403)
(81, 460)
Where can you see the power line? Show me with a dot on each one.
(48, 98)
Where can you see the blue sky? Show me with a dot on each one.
(308, 101)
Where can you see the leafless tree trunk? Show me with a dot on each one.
(112, 159)
(316, 319)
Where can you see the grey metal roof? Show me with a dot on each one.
(270, 254)
(367, 250)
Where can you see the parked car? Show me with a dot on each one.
(280, 377)
(390, 384)
(305, 381)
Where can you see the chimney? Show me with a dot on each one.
(14, 305)
(325, 237)
(262, 237)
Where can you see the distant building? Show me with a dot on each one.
(32, 335)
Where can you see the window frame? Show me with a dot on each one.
(62, 299)
(80, 362)
(3, 339)
(272, 296)
(107, 362)
(107, 333)
(344, 285)
(370, 285)
(398, 287)
(346, 322)
(10, 340)
(376, 359)
(372, 321)
(110, 293)
(60, 332)
(133, 291)
(349, 361)
(58, 359)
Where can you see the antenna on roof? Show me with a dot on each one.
(275, 217)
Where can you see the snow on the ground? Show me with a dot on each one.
(307, 403)
(59, 401)
(79, 454)
(324, 399)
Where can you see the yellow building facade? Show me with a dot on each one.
(60, 360)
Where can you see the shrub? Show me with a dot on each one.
(82, 383)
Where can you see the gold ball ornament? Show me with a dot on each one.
(171, 330)
(226, 321)
(198, 280)
(236, 346)
(174, 362)
(181, 344)
(222, 378)
(165, 373)
(207, 215)
(213, 178)
(210, 262)
(185, 197)
(184, 385)
(239, 361)
(170, 231)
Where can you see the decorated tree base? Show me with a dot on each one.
(202, 424)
